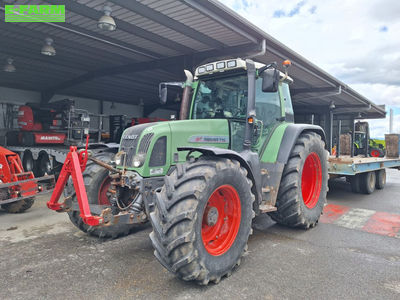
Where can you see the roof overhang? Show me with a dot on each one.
(154, 42)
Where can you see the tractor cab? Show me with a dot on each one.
(221, 92)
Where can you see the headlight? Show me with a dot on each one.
(138, 160)
(119, 158)
(159, 154)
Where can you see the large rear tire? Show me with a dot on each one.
(304, 184)
(202, 219)
(97, 182)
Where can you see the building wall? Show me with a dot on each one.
(21, 97)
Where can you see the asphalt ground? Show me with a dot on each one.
(43, 256)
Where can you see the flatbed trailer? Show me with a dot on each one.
(364, 173)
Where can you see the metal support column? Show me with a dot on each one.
(352, 137)
(330, 131)
(338, 141)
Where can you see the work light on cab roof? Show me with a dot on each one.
(237, 64)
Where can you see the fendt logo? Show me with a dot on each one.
(35, 13)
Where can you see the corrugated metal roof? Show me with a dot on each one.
(168, 34)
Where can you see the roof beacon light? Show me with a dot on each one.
(107, 22)
(9, 67)
(286, 64)
(48, 48)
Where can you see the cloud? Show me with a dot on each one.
(389, 10)
(379, 127)
(383, 29)
(280, 13)
(379, 93)
(356, 41)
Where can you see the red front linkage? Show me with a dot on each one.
(74, 165)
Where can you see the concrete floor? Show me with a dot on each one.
(43, 256)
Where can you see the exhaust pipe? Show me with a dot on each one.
(183, 114)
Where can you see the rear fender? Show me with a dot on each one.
(272, 172)
(290, 137)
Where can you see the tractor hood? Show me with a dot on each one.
(151, 149)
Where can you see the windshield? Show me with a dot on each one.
(226, 98)
(221, 98)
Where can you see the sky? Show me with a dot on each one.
(357, 41)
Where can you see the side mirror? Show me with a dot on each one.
(162, 92)
(270, 80)
(162, 89)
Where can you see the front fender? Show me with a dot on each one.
(247, 159)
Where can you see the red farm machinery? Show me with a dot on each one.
(18, 188)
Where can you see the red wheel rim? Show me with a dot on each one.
(221, 220)
(375, 153)
(311, 180)
(103, 198)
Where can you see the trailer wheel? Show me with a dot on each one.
(380, 179)
(18, 206)
(43, 165)
(367, 182)
(97, 183)
(202, 219)
(27, 161)
(355, 183)
(304, 184)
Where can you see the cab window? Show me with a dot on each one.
(288, 102)
(268, 106)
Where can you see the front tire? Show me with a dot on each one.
(304, 184)
(96, 184)
(202, 219)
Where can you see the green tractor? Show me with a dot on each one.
(364, 145)
(200, 181)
